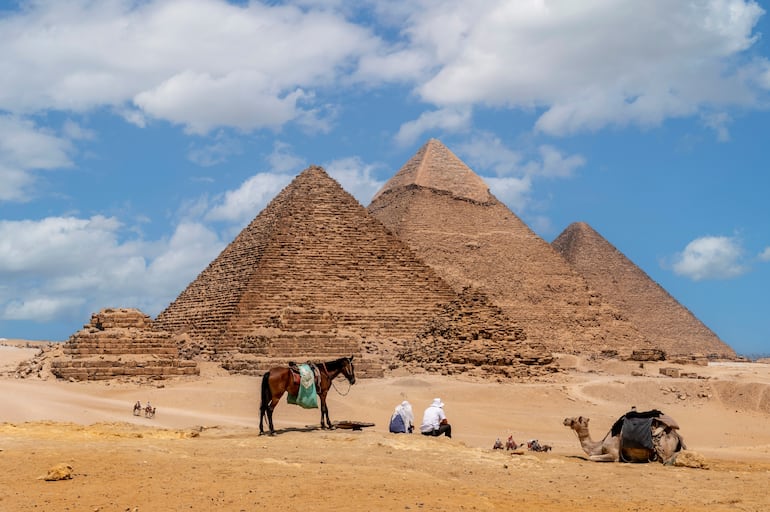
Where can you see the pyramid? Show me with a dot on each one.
(313, 276)
(121, 343)
(667, 323)
(448, 217)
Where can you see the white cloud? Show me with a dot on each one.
(241, 205)
(198, 63)
(765, 255)
(24, 149)
(486, 152)
(356, 177)
(710, 257)
(718, 121)
(449, 119)
(42, 309)
(554, 165)
(282, 160)
(589, 64)
(242, 99)
(516, 193)
(204, 63)
(516, 172)
(219, 150)
(65, 266)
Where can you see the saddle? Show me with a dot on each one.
(307, 378)
(638, 430)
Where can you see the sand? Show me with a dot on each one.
(202, 450)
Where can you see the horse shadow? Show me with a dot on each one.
(307, 428)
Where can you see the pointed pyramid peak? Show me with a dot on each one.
(435, 166)
(657, 314)
(573, 232)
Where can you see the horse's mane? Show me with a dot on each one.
(337, 363)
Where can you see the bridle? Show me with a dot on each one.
(352, 372)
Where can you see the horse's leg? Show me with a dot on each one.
(273, 404)
(324, 411)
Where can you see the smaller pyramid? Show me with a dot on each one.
(661, 318)
(121, 343)
(435, 167)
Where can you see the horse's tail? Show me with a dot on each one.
(266, 395)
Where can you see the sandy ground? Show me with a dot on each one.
(202, 450)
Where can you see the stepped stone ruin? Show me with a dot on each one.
(313, 276)
(473, 336)
(121, 343)
(670, 326)
(447, 216)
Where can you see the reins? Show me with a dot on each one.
(338, 391)
(331, 380)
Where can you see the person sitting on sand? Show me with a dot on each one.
(434, 422)
(402, 421)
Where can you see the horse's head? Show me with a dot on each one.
(348, 371)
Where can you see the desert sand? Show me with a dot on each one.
(202, 450)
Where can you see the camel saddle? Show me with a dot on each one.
(636, 434)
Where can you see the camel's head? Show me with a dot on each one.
(576, 423)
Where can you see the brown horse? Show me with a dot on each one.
(280, 380)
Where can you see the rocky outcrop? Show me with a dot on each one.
(121, 343)
(473, 336)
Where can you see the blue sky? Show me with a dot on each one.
(137, 138)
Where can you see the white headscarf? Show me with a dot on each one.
(404, 409)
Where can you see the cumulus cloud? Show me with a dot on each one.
(65, 266)
(244, 203)
(588, 64)
(356, 177)
(201, 63)
(24, 149)
(711, 257)
(765, 255)
(447, 120)
(516, 172)
(718, 122)
(215, 152)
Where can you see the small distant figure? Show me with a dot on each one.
(510, 444)
(402, 421)
(137, 408)
(149, 411)
(498, 445)
(434, 421)
(535, 446)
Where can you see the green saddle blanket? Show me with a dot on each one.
(307, 396)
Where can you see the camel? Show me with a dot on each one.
(663, 442)
(510, 444)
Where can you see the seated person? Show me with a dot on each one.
(434, 422)
(402, 421)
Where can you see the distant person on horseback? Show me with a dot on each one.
(434, 422)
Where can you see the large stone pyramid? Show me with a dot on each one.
(313, 276)
(668, 324)
(446, 214)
